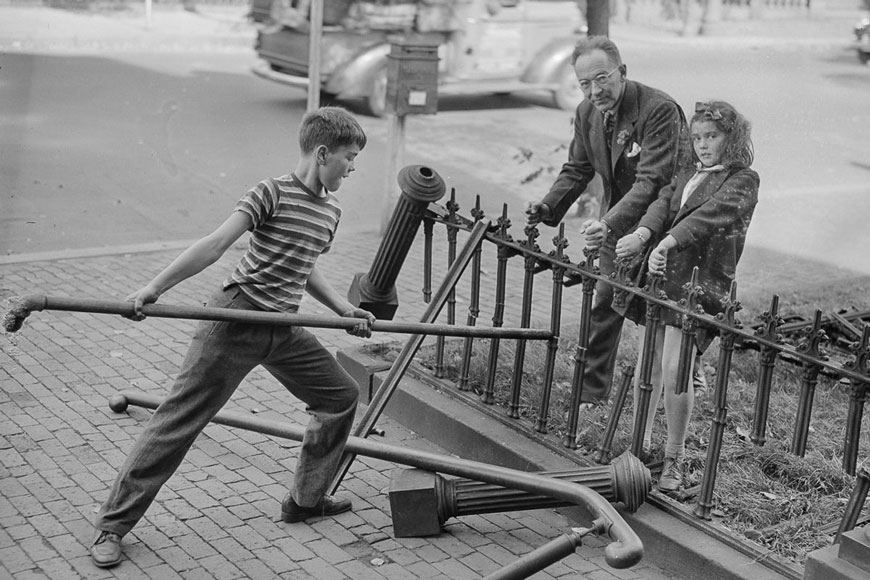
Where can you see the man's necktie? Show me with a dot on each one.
(609, 123)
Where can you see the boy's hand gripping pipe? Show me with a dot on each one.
(21, 307)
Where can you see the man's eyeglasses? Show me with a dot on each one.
(600, 80)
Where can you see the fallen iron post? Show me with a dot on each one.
(421, 501)
(624, 551)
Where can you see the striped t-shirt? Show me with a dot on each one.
(292, 227)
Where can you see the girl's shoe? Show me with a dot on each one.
(672, 475)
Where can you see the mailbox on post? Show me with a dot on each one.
(412, 79)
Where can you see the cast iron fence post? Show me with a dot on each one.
(560, 244)
(856, 401)
(809, 378)
(376, 290)
(530, 247)
(766, 360)
(717, 428)
(473, 303)
(570, 438)
(498, 313)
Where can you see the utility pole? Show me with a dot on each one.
(315, 33)
(598, 17)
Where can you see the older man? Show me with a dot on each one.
(633, 136)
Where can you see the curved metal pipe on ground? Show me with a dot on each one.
(625, 551)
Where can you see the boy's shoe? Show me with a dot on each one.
(106, 550)
(291, 512)
(672, 475)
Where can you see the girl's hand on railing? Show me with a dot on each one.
(658, 259)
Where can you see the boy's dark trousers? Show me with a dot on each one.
(221, 354)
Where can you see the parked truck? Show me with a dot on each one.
(483, 46)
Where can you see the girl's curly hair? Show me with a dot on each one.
(737, 151)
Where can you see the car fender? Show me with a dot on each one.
(353, 78)
(546, 66)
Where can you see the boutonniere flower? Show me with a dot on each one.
(622, 137)
(633, 151)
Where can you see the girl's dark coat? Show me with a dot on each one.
(710, 230)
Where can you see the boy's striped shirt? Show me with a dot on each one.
(292, 228)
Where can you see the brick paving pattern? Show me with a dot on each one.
(219, 515)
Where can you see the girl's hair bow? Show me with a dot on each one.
(708, 112)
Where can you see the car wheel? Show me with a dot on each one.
(376, 101)
(567, 94)
(863, 56)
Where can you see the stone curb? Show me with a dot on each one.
(669, 543)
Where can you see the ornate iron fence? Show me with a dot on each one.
(766, 337)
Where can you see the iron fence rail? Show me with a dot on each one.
(766, 336)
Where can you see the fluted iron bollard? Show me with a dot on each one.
(421, 501)
(376, 290)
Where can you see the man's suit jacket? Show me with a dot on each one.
(649, 141)
(710, 230)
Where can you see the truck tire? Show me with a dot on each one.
(376, 100)
(567, 94)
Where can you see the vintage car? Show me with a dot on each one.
(862, 39)
(483, 46)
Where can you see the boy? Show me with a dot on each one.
(292, 220)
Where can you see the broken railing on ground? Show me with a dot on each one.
(766, 337)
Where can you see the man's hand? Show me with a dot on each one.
(366, 319)
(537, 212)
(628, 246)
(595, 232)
(141, 297)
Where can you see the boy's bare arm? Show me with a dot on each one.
(321, 290)
(196, 258)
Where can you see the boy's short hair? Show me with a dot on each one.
(333, 127)
(587, 44)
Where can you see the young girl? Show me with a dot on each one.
(700, 220)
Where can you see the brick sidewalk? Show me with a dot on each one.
(218, 516)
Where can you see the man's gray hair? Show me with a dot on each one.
(589, 43)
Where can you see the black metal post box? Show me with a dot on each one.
(412, 79)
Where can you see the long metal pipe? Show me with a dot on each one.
(537, 560)
(625, 551)
(23, 306)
